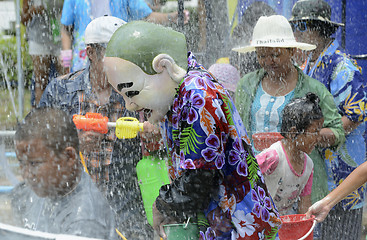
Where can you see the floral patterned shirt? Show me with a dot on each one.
(342, 77)
(204, 131)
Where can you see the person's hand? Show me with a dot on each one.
(319, 209)
(158, 222)
(65, 58)
(151, 137)
(89, 140)
(173, 17)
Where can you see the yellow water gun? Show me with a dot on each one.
(125, 127)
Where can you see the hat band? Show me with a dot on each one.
(272, 41)
(269, 41)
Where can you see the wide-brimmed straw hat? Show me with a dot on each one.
(273, 31)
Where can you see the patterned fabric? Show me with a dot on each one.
(342, 77)
(245, 96)
(204, 131)
(266, 111)
(82, 212)
(285, 185)
(78, 13)
(73, 93)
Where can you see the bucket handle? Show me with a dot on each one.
(187, 223)
(310, 231)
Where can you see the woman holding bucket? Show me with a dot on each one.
(261, 95)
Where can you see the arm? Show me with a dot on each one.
(321, 208)
(66, 37)
(304, 203)
(164, 18)
(349, 125)
(327, 138)
(332, 133)
(268, 161)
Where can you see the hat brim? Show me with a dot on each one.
(336, 24)
(251, 48)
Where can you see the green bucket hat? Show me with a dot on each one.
(140, 42)
(313, 10)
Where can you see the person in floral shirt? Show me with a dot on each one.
(341, 75)
(211, 163)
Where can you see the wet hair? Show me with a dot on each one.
(300, 113)
(53, 126)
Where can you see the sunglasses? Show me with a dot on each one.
(299, 26)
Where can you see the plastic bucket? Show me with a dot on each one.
(296, 227)
(184, 231)
(152, 173)
(265, 140)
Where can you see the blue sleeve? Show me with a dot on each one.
(349, 90)
(138, 9)
(48, 96)
(68, 17)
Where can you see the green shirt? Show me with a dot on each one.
(245, 94)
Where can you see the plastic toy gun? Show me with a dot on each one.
(125, 127)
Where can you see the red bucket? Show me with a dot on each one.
(296, 227)
(265, 139)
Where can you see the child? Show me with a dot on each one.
(287, 168)
(57, 196)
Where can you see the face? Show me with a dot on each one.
(152, 94)
(275, 61)
(96, 53)
(306, 141)
(44, 171)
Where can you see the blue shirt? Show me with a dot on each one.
(342, 77)
(77, 13)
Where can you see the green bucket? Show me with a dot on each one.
(184, 231)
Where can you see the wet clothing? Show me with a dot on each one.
(245, 95)
(73, 93)
(82, 212)
(115, 165)
(78, 13)
(266, 112)
(284, 183)
(342, 77)
(212, 165)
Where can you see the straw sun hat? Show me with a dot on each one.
(273, 31)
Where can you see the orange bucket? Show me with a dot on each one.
(296, 227)
(265, 139)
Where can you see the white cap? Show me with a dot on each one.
(101, 29)
(273, 31)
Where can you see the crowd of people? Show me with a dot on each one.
(117, 59)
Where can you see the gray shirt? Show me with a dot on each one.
(83, 212)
